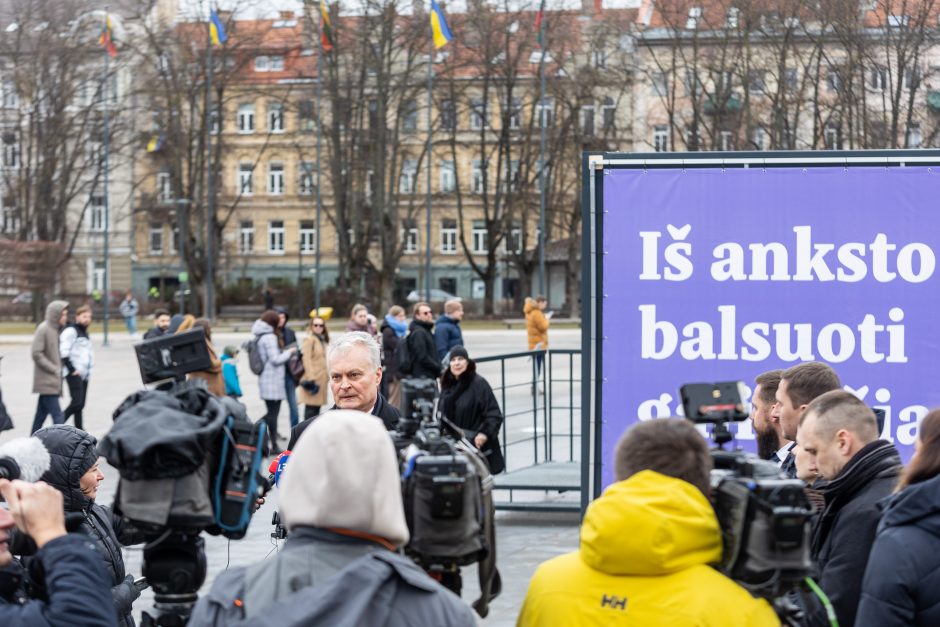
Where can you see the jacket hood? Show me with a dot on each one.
(54, 310)
(917, 504)
(260, 327)
(343, 472)
(650, 525)
(283, 310)
(72, 452)
(529, 306)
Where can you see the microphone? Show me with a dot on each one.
(24, 458)
(277, 467)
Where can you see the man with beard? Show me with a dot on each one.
(771, 443)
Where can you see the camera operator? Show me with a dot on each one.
(840, 433)
(799, 385)
(355, 369)
(341, 501)
(77, 585)
(646, 545)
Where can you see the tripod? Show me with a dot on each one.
(175, 566)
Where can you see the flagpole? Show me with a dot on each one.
(542, 116)
(106, 149)
(427, 237)
(318, 89)
(210, 184)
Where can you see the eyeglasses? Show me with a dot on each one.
(318, 325)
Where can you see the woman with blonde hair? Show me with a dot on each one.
(359, 321)
(313, 383)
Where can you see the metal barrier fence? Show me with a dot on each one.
(541, 421)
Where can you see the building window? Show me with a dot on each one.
(913, 138)
(732, 17)
(246, 237)
(545, 111)
(759, 139)
(246, 118)
(599, 57)
(409, 235)
(97, 278)
(515, 113)
(155, 239)
(261, 63)
(587, 119)
(833, 136)
(513, 242)
(477, 183)
(9, 217)
(215, 123)
(245, 171)
(756, 81)
(308, 237)
(791, 78)
(276, 237)
(660, 83)
(276, 63)
(11, 150)
(410, 116)
(660, 138)
(609, 113)
(175, 239)
(448, 181)
(448, 115)
(96, 213)
(10, 97)
(878, 78)
(695, 14)
(275, 117)
(275, 178)
(725, 140)
(911, 78)
(449, 237)
(305, 112)
(409, 176)
(511, 181)
(833, 80)
(306, 182)
(164, 187)
(480, 239)
(477, 114)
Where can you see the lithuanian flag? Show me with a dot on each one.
(106, 40)
(326, 27)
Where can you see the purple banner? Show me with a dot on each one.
(716, 275)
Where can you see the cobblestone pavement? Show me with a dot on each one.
(524, 539)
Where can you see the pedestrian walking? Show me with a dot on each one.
(129, 308)
(78, 358)
(314, 382)
(47, 364)
(290, 386)
(271, 380)
(447, 332)
(233, 386)
(536, 325)
(394, 329)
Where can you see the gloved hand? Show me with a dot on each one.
(311, 386)
(124, 594)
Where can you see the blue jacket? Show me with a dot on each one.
(902, 580)
(447, 335)
(79, 589)
(230, 374)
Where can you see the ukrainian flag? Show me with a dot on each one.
(439, 27)
(216, 29)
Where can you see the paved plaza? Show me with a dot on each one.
(524, 539)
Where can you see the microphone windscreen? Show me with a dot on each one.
(30, 455)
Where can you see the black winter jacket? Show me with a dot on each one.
(69, 448)
(469, 403)
(845, 531)
(390, 342)
(383, 409)
(423, 352)
(902, 581)
(75, 581)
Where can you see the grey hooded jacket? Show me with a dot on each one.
(47, 365)
(321, 578)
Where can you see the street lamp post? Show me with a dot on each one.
(183, 275)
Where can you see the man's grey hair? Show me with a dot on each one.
(348, 341)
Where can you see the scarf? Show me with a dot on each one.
(399, 327)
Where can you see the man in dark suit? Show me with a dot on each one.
(355, 370)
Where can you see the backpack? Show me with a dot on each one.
(255, 361)
(295, 367)
(403, 355)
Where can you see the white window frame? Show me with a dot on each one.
(407, 181)
(477, 114)
(732, 17)
(164, 187)
(275, 178)
(246, 118)
(476, 177)
(275, 117)
(759, 138)
(276, 63)
(10, 219)
(660, 138)
(276, 237)
(695, 14)
(878, 78)
(914, 136)
(246, 237)
(831, 137)
(545, 110)
(262, 63)
(307, 179)
(409, 117)
(479, 240)
(410, 240)
(155, 236)
(307, 237)
(514, 235)
(96, 213)
(11, 98)
(11, 150)
(725, 140)
(246, 172)
(588, 114)
(447, 178)
(609, 114)
(515, 113)
(448, 240)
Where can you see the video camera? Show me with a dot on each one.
(447, 492)
(764, 516)
(189, 461)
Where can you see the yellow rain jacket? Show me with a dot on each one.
(646, 546)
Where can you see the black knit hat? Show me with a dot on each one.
(459, 351)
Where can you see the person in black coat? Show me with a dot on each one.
(423, 362)
(902, 581)
(468, 401)
(74, 472)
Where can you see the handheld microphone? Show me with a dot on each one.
(24, 458)
(277, 467)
